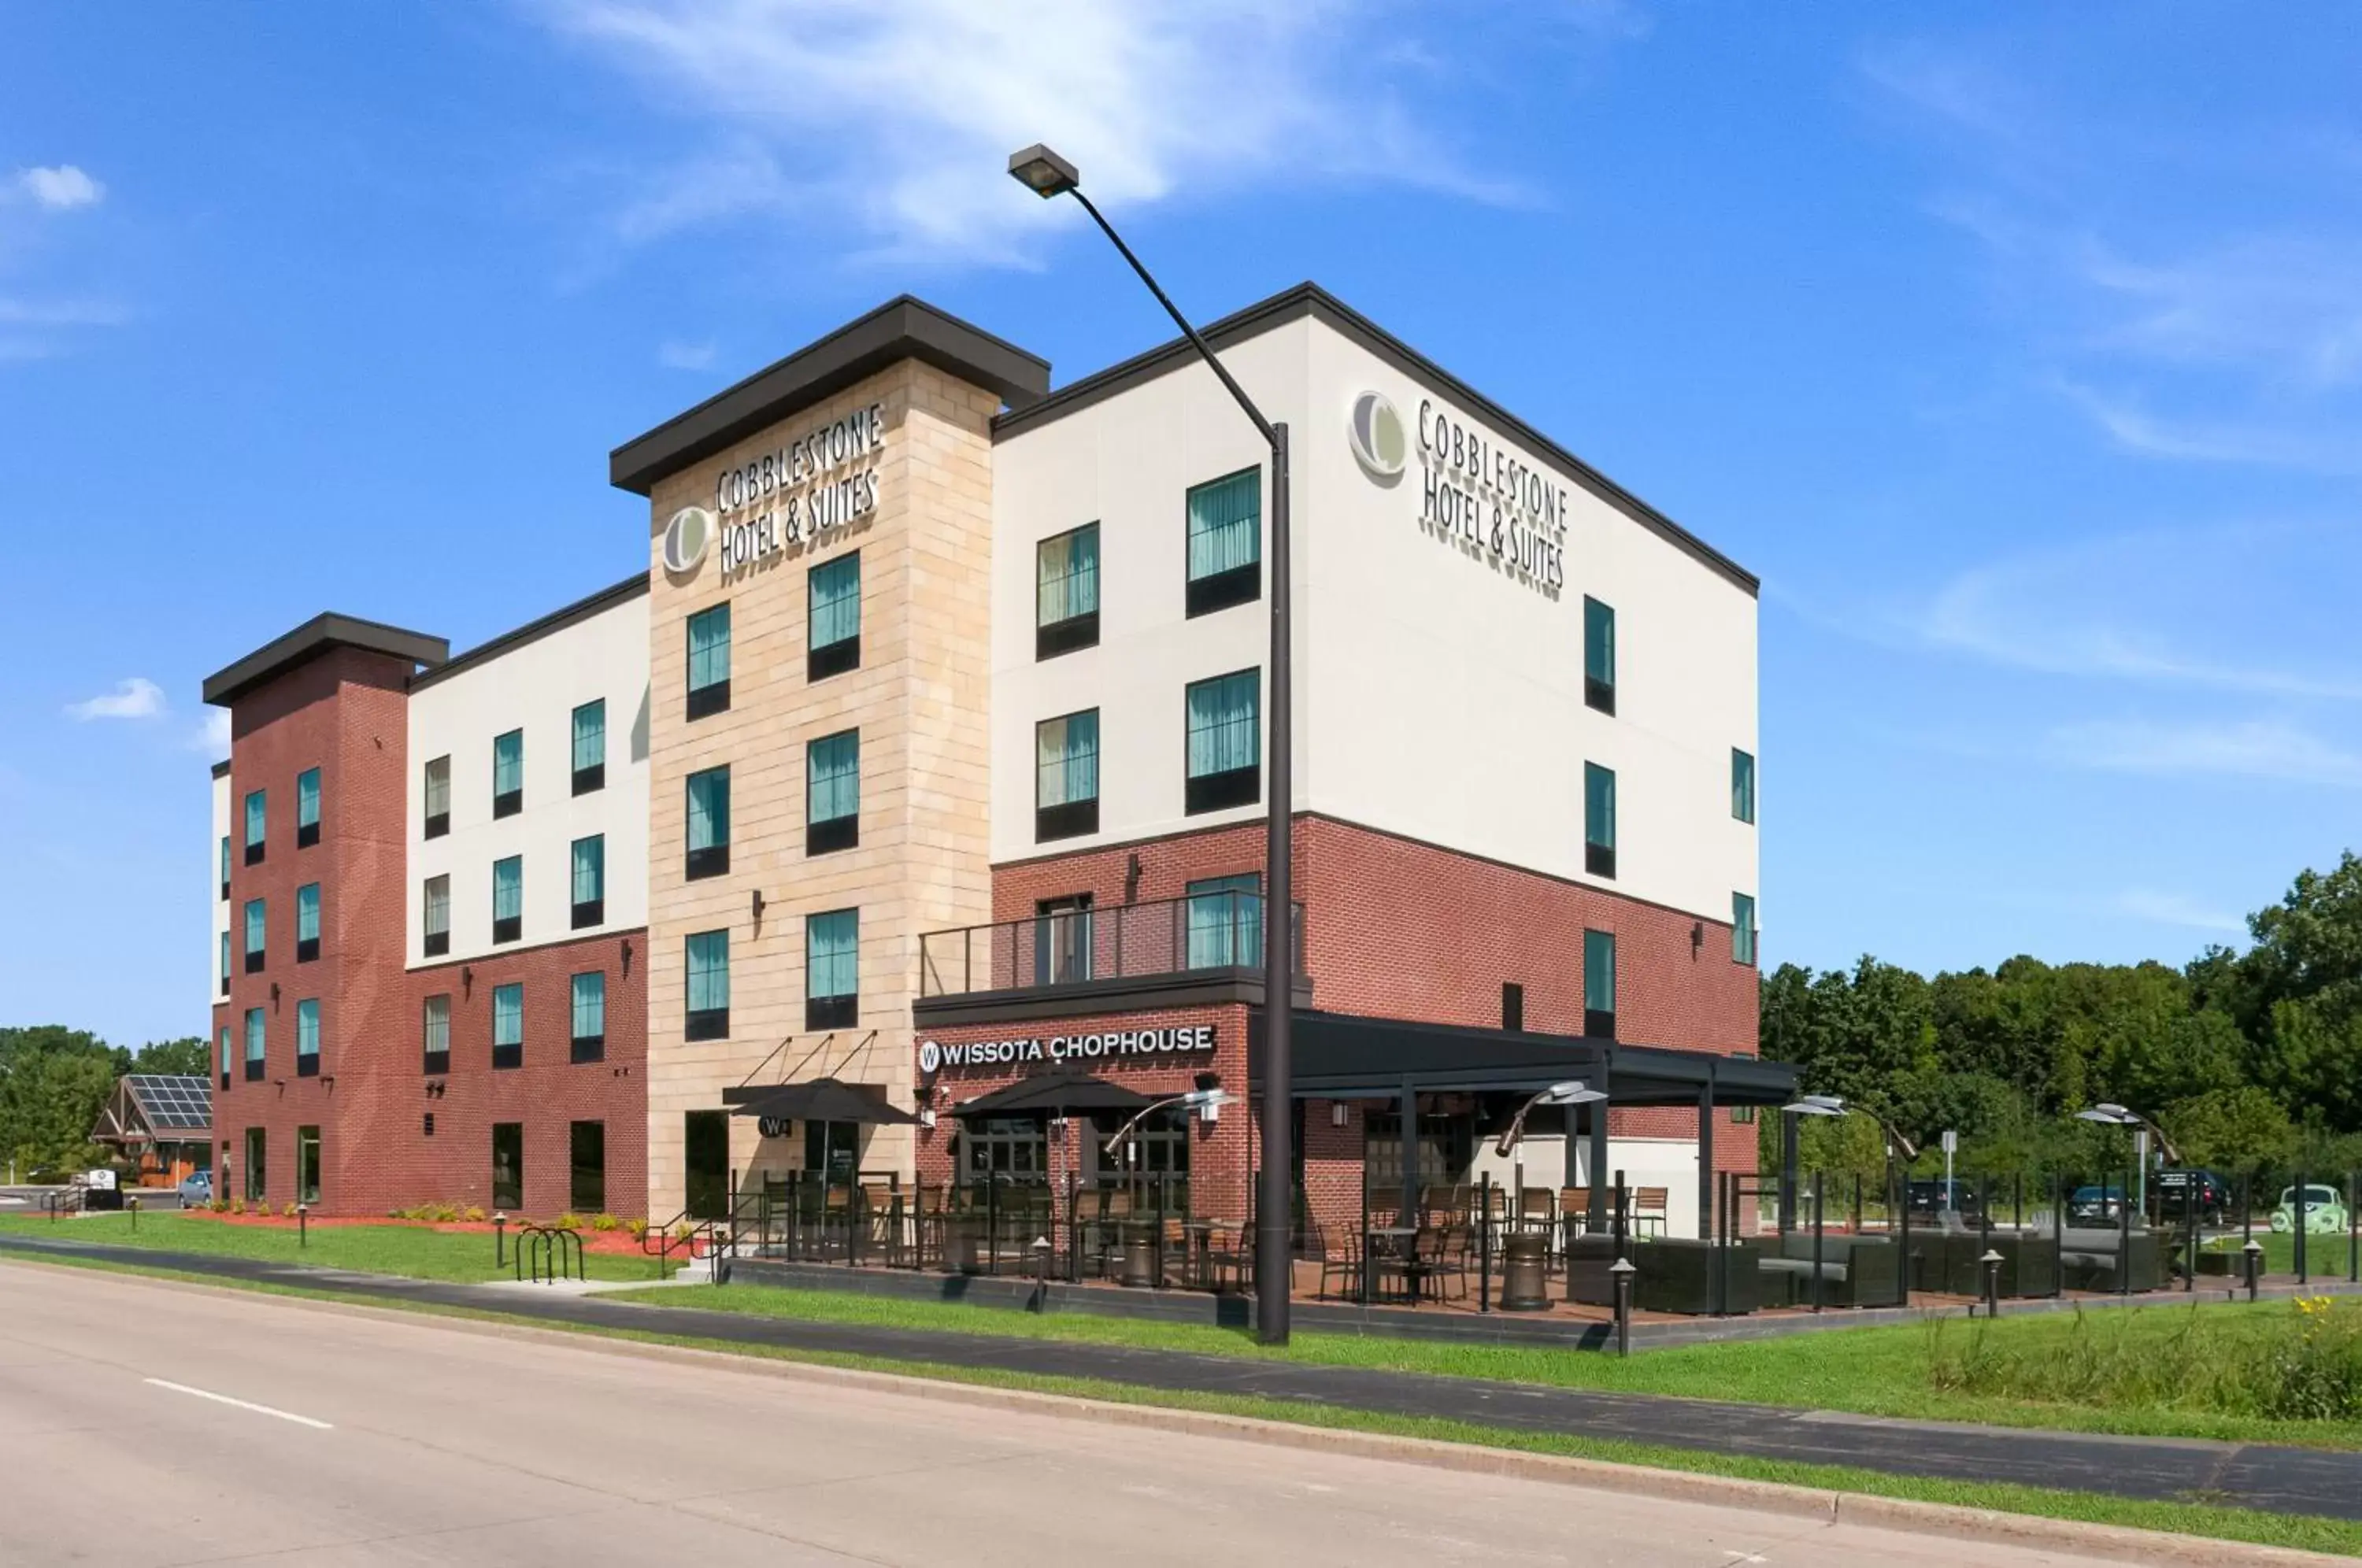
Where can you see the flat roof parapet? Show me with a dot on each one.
(313, 638)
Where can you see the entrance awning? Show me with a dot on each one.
(1059, 1093)
(826, 1099)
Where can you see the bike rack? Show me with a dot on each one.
(555, 1254)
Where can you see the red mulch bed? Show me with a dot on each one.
(617, 1240)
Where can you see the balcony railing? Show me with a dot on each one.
(1066, 947)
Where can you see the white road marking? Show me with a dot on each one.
(241, 1404)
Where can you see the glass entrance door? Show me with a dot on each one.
(705, 1157)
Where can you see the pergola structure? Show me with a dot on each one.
(163, 1121)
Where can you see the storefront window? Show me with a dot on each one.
(1013, 1146)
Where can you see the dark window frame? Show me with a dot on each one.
(833, 1013)
(1513, 1006)
(590, 780)
(436, 823)
(508, 802)
(827, 835)
(1077, 632)
(706, 1024)
(1596, 693)
(511, 1197)
(1233, 586)
(823, 660)
(581, 1198)
(713, 697)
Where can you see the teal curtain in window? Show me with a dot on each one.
(709, 646)
(1225, 723)
(307, 798)
(709, 971)
(436, 902)
(508, 887)
(436, 1026)
(1067, 576)
(590, 868)
(508, 763)
(1742, 785)
(1225, 921)
(591, 735)
(709, 808)
(254, 1034)
(1599, 805)
(832, 777)
(591, 1004)
(1225, 523)
(1066, 760)
(226, 1049)
(837, 601)
(308, 1027)
(831, 953)
(224, 974)
(254, 925)
(439, 788)
(256, 816)
(1742, 928)
(508, 1015)
(1599, 971)
(1598, 642)
(307, 913)
(224, 860)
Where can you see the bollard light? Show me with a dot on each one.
(1622, 1271)
(132, 1203)
(1991, 1260)
(302, 1225)
(499, 1239)
(2253, 1251)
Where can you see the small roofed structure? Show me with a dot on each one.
(164, 1123)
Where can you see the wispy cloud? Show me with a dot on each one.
(2261, 749)
(2177, 909)
(896, 121)
(212, 736)
(675, 355)
(135, 698)
(60, 187)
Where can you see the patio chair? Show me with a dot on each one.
(1649, 1209)
(1340, 1258)
(1230, 1254)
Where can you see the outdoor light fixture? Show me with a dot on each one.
(1817, 1105)
(1573, 1092)
(1042, 171)
(1206, 1102)
(1337, 1113)
(758, 906)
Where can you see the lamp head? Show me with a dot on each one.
(2108, 1115)
(1817, 1105)
(1042, 171)
(1573, 1092)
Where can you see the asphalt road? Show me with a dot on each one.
(145, 1425)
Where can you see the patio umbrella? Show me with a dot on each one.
(1064, 1092)
(826, 1099)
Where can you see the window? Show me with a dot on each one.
(226, 1052)
(1513, 1006)
(833, 1150)
(705, 1161)
(1742, 929)
(508, 1164)
(435, 903)
(588, 1037)
(1598, 819)
(225, 965)
(437, 803)
(508, 774)
(586, 1180)
(1067, 592)
(590, 878)
(254, 1185)
(224, 875)
(1226, 542)
(709, 987)
(307, 1165)
(709, 662)
(307, 923)
(1599, 984)
(835, 618)
(591, 747)
(833, 793)
(307, 1038)
(1742, 785)
(256, 818)
(254, 1043)
(1066, 777)
(307, 808)
(255, 927)
(833, 969)
(709, 824)
(508, 1026)
(1598, 656)
(435, 1035)
(508, 899)
(1063, 949)
(1225, 920)
(1225, 742)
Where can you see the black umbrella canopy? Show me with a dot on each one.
(826, 1099)
(1059, 1093)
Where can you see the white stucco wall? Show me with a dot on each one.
(536, 686)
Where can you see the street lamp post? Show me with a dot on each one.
(1835, 1105)
(1048, 175)
(2107, 1113)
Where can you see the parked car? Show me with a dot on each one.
(2325, 1210)
(2095, 1205)
(1937, 1194)
(196, 1188)
(2211, 1194)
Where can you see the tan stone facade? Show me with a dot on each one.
(920, 700)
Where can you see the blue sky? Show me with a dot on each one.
(2019, 349)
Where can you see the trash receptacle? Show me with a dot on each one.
(1523, 1287)
(1137, 1266)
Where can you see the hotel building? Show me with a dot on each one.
(923, 752)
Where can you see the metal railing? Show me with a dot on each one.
(1169, 936)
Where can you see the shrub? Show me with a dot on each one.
(605, 1222)
(638, 1228)
(238, 1206)
(476, 1215)
(287, 1212)
(219, 1205)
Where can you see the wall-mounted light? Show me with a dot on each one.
(274, 995)
(1132, 879)
(467, 979)
(926, 1116)
(758, 906)
(1337, 1113)
(627, 957)
(1697, 937)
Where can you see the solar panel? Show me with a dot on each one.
(172, 1103)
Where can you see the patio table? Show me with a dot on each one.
(1402, 1242)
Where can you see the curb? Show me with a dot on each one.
(2114, 1542)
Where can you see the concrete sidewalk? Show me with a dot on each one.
(2279, 1479)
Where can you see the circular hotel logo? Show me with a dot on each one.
(931, 1055)
(1376, 432)
(686, 538)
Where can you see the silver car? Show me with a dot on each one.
(196, 1188)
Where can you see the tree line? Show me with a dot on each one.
(53, 1083)
(2251, 1060)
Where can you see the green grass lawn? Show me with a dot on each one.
(1880, 1372)
(410, 1250)
(2324, 1255)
